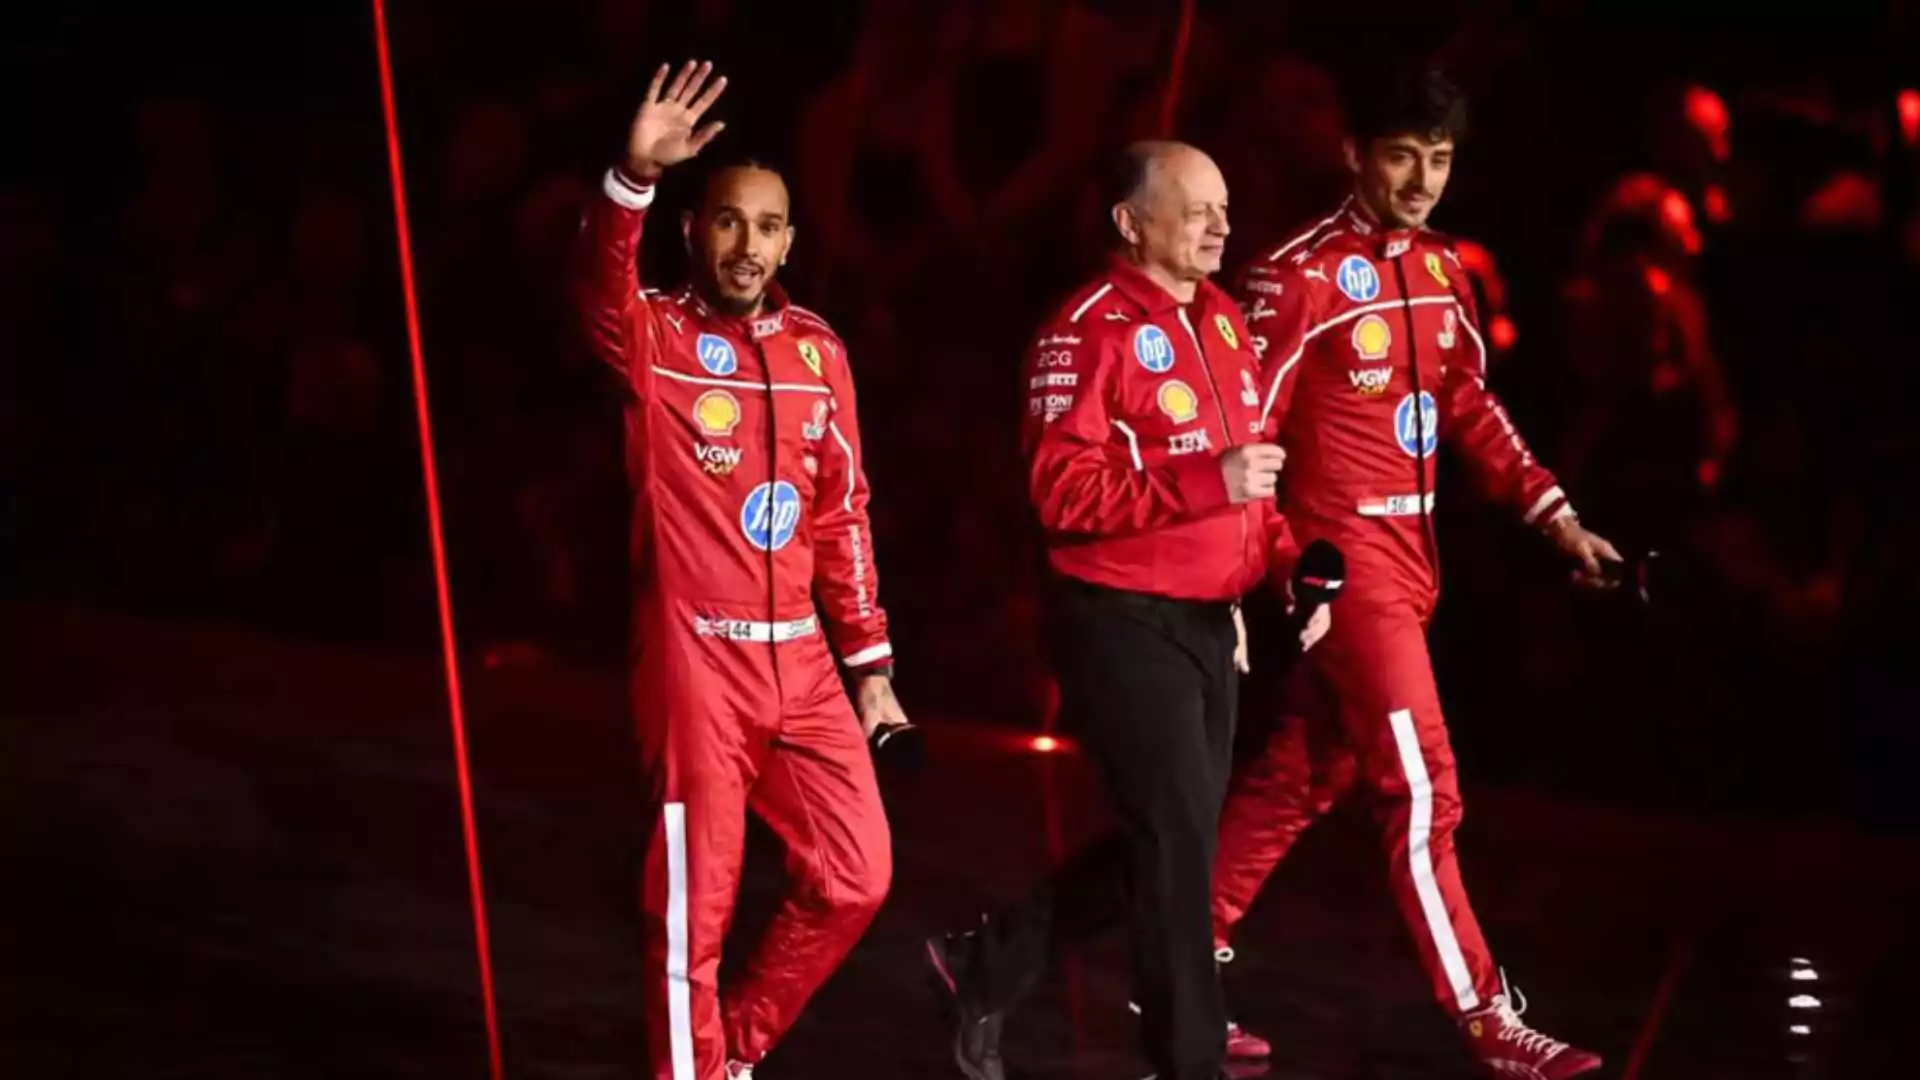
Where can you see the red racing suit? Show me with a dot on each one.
(1132, 399)
(749, 538)
(1371, 355)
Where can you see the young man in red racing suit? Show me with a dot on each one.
(1370, 355)
(749, 506)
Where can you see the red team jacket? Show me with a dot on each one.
(1371, 354)
(743, 450)
(1131, 399)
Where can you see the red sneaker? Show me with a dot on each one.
(1244, 1045)
(1508, 1048)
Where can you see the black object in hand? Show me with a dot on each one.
(1317, 580)
(1643, 573)
(899, 747)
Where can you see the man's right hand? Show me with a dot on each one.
(1252, 471)
(663, 131)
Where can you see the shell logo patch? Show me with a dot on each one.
(1177, 400)
(1372, 337)
(717, 412)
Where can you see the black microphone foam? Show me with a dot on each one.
(898, 748)
(1319, 575)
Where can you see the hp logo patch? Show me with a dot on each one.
(1153, 349)
(1358, 279)
(716, 355)
(769, 515)
(1417, 443)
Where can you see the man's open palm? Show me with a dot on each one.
(664, 131)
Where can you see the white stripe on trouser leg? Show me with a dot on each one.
(1420, 859)
(679, 991)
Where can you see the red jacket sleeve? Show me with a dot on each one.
(1478, 427)
(612, 311)
(1279, 312)
(1084, 471)
(1283, 549)
(845, 584)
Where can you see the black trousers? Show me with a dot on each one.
(1148, 685)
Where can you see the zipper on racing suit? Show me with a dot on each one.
(1420, 460)
(773, 517)
(1219, 407)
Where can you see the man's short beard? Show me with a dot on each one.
(738, 307)
(735, 306)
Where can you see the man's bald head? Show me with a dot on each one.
(1169, 204)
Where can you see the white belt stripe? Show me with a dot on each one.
(759, 633)
(1273, 392)
(1395, 506)
(1420, 858)
(679, 991)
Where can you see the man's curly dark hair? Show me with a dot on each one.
(1419, 101)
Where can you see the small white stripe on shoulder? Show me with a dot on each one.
(1090, 301)
(1308, 234)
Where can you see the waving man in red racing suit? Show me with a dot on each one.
(1370, 355)
(749, 502)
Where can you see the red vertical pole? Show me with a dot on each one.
(449, 653)
(1171, 102)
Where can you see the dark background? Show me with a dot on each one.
(223, 757)
(207, 401)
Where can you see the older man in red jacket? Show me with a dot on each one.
(1152, 479)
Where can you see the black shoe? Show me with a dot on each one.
(976, 1036)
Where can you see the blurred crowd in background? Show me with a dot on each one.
(1697, 252)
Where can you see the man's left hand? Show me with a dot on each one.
(1317, 626)
(1589, 549)
(877, 705)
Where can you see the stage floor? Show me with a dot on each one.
(231, 856)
